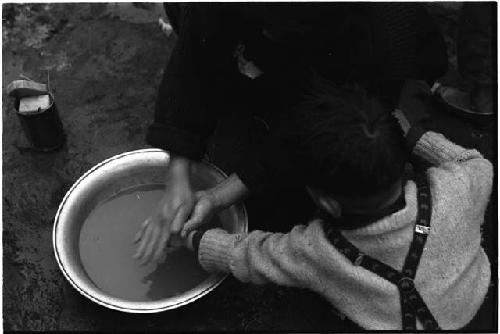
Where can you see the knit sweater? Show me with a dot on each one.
(454, 272)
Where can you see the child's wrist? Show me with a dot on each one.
(194, 240)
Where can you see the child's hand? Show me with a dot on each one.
(206, 205)
(182, 242)
(175, 242)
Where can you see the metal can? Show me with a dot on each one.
(43, 128)
(38, 114)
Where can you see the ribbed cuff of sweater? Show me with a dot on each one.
(435, 148)
(214, 250)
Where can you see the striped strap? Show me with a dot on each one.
(412, 304)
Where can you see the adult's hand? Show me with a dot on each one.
(206, 207)
(213, 200)
(169, 215)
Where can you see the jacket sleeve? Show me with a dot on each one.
(266, 167)
(196, 71)
(255, 176)
(468, 165)
(262, 168)
(259, 257)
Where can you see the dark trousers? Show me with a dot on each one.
(475, 43)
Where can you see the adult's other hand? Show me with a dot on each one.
(169, 215)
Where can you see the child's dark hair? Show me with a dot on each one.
(346, 141)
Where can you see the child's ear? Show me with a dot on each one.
(324, 202)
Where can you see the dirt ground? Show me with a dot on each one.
(105, 63)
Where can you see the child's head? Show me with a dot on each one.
(346, 141)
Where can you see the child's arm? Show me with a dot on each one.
(468, 165)
(258, 257)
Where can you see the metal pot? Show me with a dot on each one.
(102, 181)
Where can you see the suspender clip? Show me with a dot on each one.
(421, 229)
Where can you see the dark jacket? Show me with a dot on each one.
(340, 41)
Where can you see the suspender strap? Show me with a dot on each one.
(412, 304)
(409, 296)
(422, 227)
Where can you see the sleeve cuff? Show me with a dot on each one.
(436, 149)
(254, 177)
(215, 250)
(175, 141)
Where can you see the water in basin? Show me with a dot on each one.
(106, 250)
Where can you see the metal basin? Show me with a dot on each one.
(102, 181)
